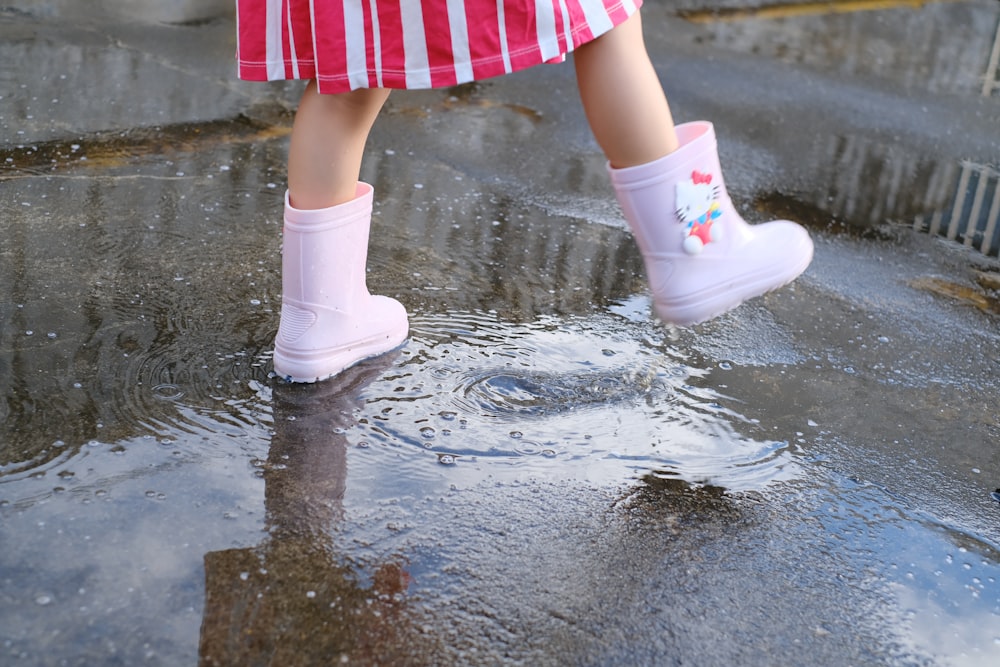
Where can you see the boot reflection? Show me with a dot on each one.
(293, 600)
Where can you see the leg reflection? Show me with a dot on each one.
(293, 600)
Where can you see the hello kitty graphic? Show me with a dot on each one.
(697, 208)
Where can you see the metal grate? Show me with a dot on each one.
(974, 216)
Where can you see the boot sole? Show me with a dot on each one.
(697, 309)
(311, 367)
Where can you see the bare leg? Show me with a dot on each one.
(328, 141)
(622, 97)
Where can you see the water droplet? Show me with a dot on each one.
(428, 432)
(725, 365)
(254, 302)
(43, 600)
(244, 576)
(310, 594)
(447, 459)
(516, 435)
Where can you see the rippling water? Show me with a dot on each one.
(595, 397)
(640, 486)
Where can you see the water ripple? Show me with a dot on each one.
(595, 396)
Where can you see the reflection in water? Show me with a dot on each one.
(943, 582)
(868, 184)
(114, 320)
(262, 602)
(974, 215)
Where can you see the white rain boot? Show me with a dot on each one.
(701, 257)
(329, 321)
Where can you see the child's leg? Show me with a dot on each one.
(622, 97)
(701, 258)
(328, 141)
(329, 320)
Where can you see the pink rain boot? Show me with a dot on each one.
(701, 258)
(329, 321)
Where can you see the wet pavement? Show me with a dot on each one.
(542, 474)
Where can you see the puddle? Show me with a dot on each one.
(541, 473)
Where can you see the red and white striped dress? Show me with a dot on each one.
(350, 44)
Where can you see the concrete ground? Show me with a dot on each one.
(542, 474)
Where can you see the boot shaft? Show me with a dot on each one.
(701, 257)
(324, 252)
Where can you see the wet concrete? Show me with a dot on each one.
(542, 475)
